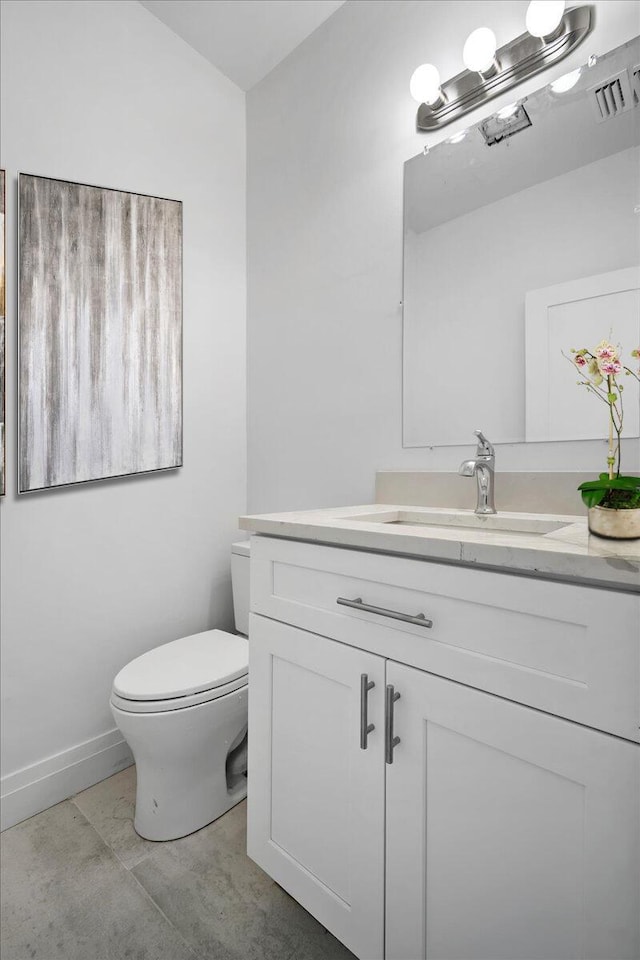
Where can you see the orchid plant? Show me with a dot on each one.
(601, 369)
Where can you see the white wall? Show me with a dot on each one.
(328, 133)
(100, 91)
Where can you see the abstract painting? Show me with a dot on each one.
(100, 333)
(3, 314)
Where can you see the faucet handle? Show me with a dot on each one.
(485, 449)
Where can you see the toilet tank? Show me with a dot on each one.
(240, 553)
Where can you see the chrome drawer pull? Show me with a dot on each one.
(390, 742)
(365, 727)
(419, 619)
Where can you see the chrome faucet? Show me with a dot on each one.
(483, 468)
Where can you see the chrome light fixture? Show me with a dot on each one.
(552, 33)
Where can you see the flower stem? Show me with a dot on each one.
(611, 458)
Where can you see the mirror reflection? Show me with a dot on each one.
(522, 241)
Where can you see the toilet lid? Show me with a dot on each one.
(183, 667)
(242, 548)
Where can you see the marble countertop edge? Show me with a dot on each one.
(570, 553)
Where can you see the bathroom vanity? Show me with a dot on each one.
(444, 708)
(444, 731)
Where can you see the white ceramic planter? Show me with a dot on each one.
(614, 524)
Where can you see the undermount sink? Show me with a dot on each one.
(467, 520)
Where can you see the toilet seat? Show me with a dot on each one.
(182, 673)
(177, 703)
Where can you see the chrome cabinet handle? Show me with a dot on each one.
(390, 742)
(419, 619)
(365, 727)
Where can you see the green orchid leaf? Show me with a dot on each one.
(591, 498)
(618, 483)
(594, 491)
(625, 483)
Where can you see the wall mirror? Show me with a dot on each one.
(517, 251)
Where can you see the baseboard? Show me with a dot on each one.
(43, 784)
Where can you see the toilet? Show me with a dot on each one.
(182, 708)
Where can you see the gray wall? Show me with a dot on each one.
(328, 133)
(103, 93)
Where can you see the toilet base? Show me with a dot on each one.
(150, 829)
(181, 758)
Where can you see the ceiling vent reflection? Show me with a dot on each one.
(499, 128)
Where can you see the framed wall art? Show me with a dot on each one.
(100, 333)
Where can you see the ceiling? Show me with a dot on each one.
(244, 39)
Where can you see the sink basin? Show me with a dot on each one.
(529, 525)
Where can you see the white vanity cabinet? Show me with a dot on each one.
(507, 824)
(510, 833)
(316, 820)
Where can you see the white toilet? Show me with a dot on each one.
(182, 708)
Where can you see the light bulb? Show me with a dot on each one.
(425, 84)
(569, 80)
(507, 112)
(479, 51)
(544, 17)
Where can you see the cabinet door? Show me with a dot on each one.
(316, 798)
(511, 834)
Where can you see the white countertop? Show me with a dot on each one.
(570, 553)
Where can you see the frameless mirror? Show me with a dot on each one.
(519, 246)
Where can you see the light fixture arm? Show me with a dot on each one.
(520, 59)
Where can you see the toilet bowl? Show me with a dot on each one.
(182, 708)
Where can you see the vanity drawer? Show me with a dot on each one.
(549, 645)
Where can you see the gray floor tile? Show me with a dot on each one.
(109, 807)
(225, 906)
(66, 897)
(311, 940)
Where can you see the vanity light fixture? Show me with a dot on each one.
(552, 33)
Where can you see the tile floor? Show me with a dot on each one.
(79, 884)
